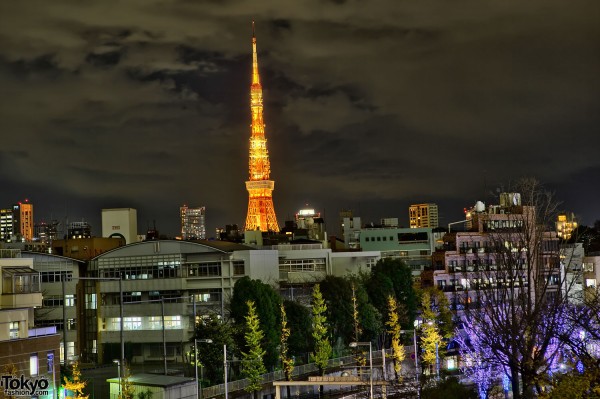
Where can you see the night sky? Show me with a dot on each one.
(369, 105)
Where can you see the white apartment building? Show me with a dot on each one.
(59, 277)
(168, 279)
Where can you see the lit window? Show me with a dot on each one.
(70, 300)
(14, 329)
(33, 365)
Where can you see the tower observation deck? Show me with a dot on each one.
(261, 212)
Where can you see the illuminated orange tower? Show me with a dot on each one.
(261, 212)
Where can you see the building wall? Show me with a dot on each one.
(183, 274)
(29, 353)
(414, 246)
(53, 270)
(85, 248)
(120, 221)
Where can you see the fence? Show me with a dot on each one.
(232, 386)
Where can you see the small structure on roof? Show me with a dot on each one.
(161, 386)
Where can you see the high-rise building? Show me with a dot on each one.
(565, 225)
(261, 212)
(423, 215)
(192, 223)
(7, 224)
(120, 222)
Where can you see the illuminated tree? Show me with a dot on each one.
(75, 384)
(431, 338)
(359, 356)
(395, 329)
(286, 361)
(517, 294)
(477, 362)
(252, 360)
(8, 369)
(126, 391)
(322, 351)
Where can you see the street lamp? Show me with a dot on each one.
(356, 344)
(206, 341)
(118, 363)
(225, 368)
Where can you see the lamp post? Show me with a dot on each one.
(225, 367)
(416, 324)
(356, 344)
(118, 362)
(206, 341)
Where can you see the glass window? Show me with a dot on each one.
(132, 323)
(33, 365)
(14, 329)
(69, 300)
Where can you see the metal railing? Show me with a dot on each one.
(232, 386)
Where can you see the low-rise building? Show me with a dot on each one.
(29, 353)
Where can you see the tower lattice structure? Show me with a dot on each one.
(261, 212)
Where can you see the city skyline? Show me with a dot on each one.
(146, 106)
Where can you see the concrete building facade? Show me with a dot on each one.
(28, 352)
(120, 222)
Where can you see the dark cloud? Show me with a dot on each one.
(369, 106)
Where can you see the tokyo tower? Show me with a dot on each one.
(261, 212)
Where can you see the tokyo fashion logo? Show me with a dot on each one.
(22, 386)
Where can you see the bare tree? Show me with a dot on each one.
(515, 289)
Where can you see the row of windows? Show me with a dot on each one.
(58, 323)
(203, 269)
(56, 276)
(302, 265)
(171, 296)
(57, 300)
(164, 260)
(142, 323)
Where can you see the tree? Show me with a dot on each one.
(267, 302)
(395, 329)
(8, 369)
(126, 391)
(513, 297)
(147, 394)
(287, 363)
(361, 359)
(337, 293)
(450, 388)
(211, 355)
(393, 277)
(300, 341)
(76, 384)
(322, 351)
(252, 359)
(431, 338)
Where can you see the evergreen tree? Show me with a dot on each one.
(299, 320)
(287, 362)
(395, 329)
(252, 360)
(322, 351)
(267, 302)
(359, 356)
